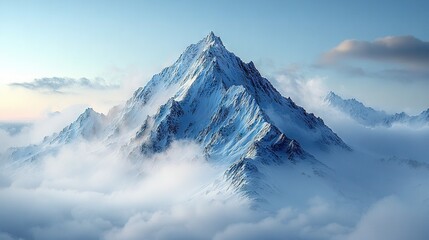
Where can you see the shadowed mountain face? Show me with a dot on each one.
(213, 98)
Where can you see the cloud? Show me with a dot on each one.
(406, 50)
(57, 84)
(308, 92)
(13, 128)
(319, 220)
(391, 218)
(81, 193)
(398, 57)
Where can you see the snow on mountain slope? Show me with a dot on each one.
(422, 118)
(88, 126)
(210, 75)
(370, 117)
(213, 98)
(234, 113)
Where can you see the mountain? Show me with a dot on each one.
(370, 117)
(423, 117)
(88, 126)
(207, 81)
(212, 97)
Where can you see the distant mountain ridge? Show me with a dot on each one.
(370, 117)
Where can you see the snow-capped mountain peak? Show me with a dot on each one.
(358, 111)
(88, 126)
(206, 71)
(352, 103)
(211, 39)
(210, 96)
(331, 96)
(424, 116)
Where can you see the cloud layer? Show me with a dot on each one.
(58, 85)
(89, 192)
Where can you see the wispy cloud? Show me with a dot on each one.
(60, 84)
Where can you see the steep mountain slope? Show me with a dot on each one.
(422, 118)
(371, 117)
(213, 98)
(207, 77)
(234, 113)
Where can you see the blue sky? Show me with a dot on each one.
(95, 39)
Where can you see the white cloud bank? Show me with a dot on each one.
(85, 194)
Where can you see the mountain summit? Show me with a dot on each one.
(211, 97)
(212, 39)
(206, 73)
